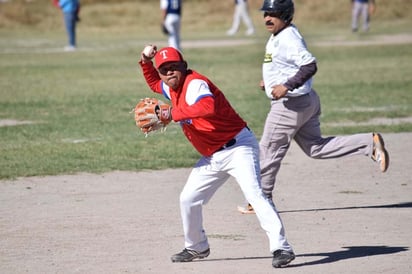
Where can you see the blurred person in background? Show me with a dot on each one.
(364, 9)
(70, 9)
(241, 13)
(171, 20)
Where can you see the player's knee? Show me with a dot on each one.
(187, 199)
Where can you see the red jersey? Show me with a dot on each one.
(206, 116)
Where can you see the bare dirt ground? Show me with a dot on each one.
(341, 216)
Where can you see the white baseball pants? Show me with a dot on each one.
(242, 162)
(360, 10)
(241, 13)
(172, 24)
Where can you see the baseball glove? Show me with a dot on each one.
(151, 114)
(164, 29)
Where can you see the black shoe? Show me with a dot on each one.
(282, 258)
(188, 255)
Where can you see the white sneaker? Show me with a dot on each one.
(231, 32)
(250, 32)
(69, 48)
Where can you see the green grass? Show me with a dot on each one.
(80, 102)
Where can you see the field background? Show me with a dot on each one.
(74, 107)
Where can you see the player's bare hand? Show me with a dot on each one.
(279, 91)
(262, 85)
(148, 53)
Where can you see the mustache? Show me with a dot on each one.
(269, 23)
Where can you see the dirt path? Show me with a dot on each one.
(388, 39)
(37, 46)
(341, 216)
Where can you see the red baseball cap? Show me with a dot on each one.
(167, 54)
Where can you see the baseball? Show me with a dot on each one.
(149, 51)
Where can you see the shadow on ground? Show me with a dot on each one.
(400, 205)
(351, 252)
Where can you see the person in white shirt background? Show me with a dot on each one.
(171, 16)
(241, 13)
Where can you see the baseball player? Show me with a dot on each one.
(241, 13)
(365, 8)
(171, 15)
(288, 68)
(227, 146)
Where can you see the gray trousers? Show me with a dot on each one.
(360, 10)
(298, 118)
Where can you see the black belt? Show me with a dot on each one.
(228, 144)
(291, 97)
